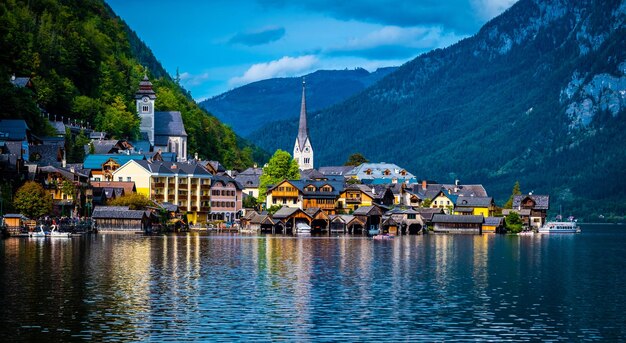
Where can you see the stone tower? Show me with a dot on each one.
(302, 150)
(145, 97)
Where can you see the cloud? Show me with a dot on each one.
(259, 37)
(188, 79)
(487, 9)
(283, 67)
(394, 42)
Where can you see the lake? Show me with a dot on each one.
(198, 287)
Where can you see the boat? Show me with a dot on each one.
(58, 234)
(373, 231)
(559, 227)
(383, 237)
(526, 233)
(303, 228)
(38, 234)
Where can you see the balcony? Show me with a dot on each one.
(158, 197)
(183, 193)
(158, 184)
(171, 185)
(182, 208)
(353, 200)
(205, 209)
(194, 208)
(205, 198)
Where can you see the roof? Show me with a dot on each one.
(460, 190)
(494, 221)
(286, 212)
(127, 186)
(48, 155)
(58, 126)
(303, 130)
(116, 212)
(311, 174)
(98, 135)
(14, 215)
(95, 161)
(364, 210)
(445, 218)
(464, 201)
(215, 165)
(174, 168)
(168, 206)
(379, 170)
(168, 123)
(225, 179)
(464, 209)
(20, 82)
(542, 202)
(13, 129)
(141, 146)
(337, 187)
(65, 172)
(335, 170)
(522, 212)
(249, 178)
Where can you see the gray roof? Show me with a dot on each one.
(180, 168)
(445, 218)
(104, 146)
(495, 221)
(377, 171)
(522, 212)
(542, 202)
(363, 210)
(335, 170)
(48, 154)
(13, 129)
(225, 179)
(168, 123)
(249, 178)
(168, 206)
(58, 126)
(432, 189)
(465, 201)
(285, 212)
(116, 212)
(311, 174)
(428, 213)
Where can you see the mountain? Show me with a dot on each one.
(248, 107)
(85, 64)
(537, 95)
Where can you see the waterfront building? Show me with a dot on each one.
(303, 150)
(107, 190)
(370, 216)
(353, 197)
(402, 221)
(476, 206)
(444, 200)
(120, 218)
(102, 166)
(249, 179)
(380, 173)
(444, 223)
(67, 186)
(226, 199)
(493, 224)
(186, 184)
(163, 130)
(287, 218)
(531, 208)
(306, 194)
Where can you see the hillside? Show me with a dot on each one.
(249, 107)
(537, 95)
(86, 63)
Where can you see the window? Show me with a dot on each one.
(448, 202)
(119, 179)
(144, 108)
(410, 216)
(97, 179)
(273, 200)
(250, 193)
(284, 200)
(294, 201)
(128, 178)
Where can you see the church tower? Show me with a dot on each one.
(302, 150)
(145, 97)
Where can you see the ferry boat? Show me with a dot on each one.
(559, 227)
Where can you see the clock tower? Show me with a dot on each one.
(303, 150)
(145, 97)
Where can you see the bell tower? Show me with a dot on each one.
(303, 150)
(145, 98)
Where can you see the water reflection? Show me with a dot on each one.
(205, 287)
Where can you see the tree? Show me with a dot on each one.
(427, 202)
(280, 167)
(134, 201)
(272, 209)
(32, 200)
(356, 159)
(513, 222)
(249, 202)
(516, 191)
(118, 121)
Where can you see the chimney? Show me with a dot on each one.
(424, 185)
(64, 159)
(373, 190)
(195, 156)
(456, 186)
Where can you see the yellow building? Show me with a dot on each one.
(285, 193)
(475, 206)
(187, 185)
(353, 197)
(444, 200)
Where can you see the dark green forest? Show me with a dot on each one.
(475, 113)
(86, 64)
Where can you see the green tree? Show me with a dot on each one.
(134, 201)
(513, 222)
(32, 200)
(118, 121)
(272, 209)
(356, 159)
(516, 191)
(280, 167)
(249, 202)
(427, 202)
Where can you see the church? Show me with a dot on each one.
(164, 130)
(302, 150)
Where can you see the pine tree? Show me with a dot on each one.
(516, 191)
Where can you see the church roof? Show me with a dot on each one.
(169, 123)
(303, 130)
(145, 89)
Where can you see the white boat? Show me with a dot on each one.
(57, 234)
(41, 233)
(303, 228)
(559, 227)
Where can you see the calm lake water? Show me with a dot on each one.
(222, 288)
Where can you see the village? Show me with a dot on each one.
(185, 192)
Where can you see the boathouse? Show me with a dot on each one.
(120, 218)
(469, 224)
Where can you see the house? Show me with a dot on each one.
(104, 191)
(476, 206)
(444, 200)
(380, 173)
(186, 184)
(103, 165)
(111, 146)
(120, 218)
(353, 197)
(214, 167)
(370, 216)
(335, 172)
(21, 82)
(444, 223)
(286, 219)
(14, 222)
(402, 221)
(249, 179)
(67, 186)
(306, 194)
(258, 222)
(15, 139)
(320, 221)
(532, 209)
(493, 224)
(163, 130)
(46, 155)
(427, 214)
(226, 199)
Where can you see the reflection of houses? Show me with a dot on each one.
(186, 184)
(226, 197)
(475, 206)
(402, 221)
(120, 218)
(443, 223)
(532, 209)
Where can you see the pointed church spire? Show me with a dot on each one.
(303, 130)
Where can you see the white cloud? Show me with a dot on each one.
(487, 9)
(283, 67)
(188, 79)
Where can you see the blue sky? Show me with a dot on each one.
(218, 45)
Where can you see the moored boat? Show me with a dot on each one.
(559, 227)
(38, 234)
(302, 228)
(54, 233)
(383, 237)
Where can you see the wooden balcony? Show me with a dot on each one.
(158, 197)
(353, 200)
(158, 184)
(194, 208)
(205, 209)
